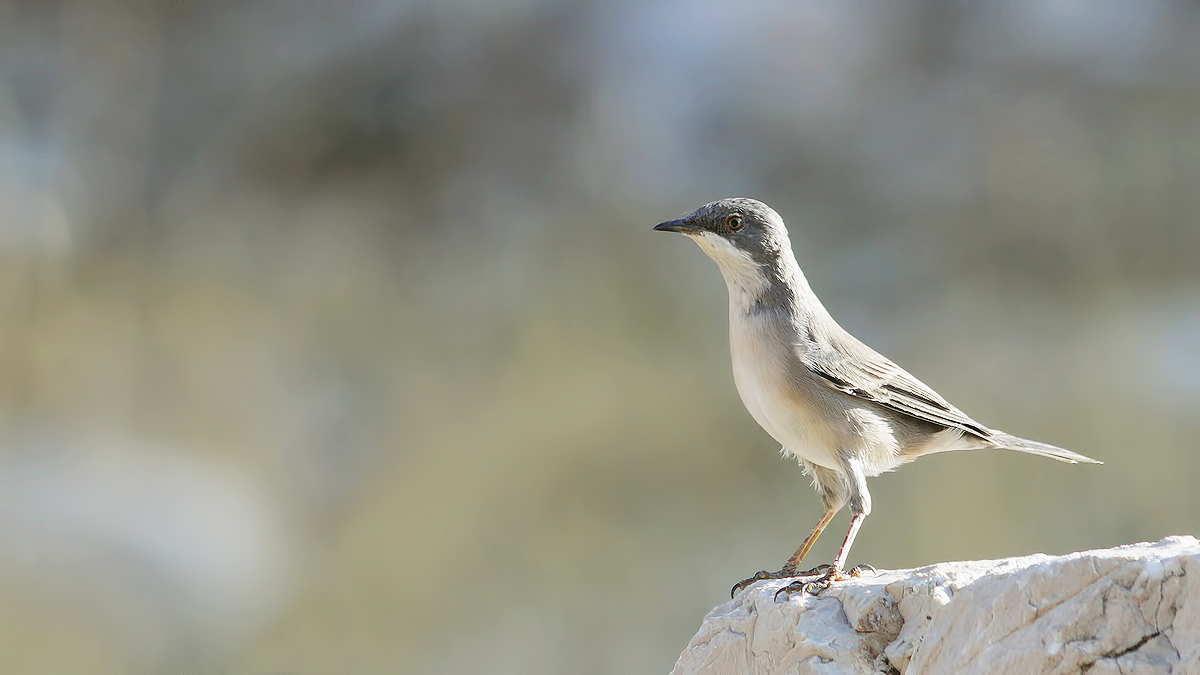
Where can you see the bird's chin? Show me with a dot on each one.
(720, 250)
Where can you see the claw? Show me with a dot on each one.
(857, 570)
(761, 575)
(794, 587)
(815, 586)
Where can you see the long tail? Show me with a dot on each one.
(1010, 442)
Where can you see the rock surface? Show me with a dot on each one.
(1131, 609)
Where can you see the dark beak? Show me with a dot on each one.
(681, 226)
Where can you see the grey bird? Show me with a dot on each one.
(841, 409)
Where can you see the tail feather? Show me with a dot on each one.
(1010, 442)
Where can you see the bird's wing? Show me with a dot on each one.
(849, 366)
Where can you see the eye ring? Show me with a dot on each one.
(733, 222)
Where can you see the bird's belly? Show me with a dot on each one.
(778, 407)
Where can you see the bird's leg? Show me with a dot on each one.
(860, 506)
(835, 572)
(789, 568)
(793, 562)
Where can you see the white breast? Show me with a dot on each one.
(775, 404)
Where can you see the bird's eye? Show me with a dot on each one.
(733, 222)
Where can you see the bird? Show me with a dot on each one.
(842, 410)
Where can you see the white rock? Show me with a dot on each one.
(1131, 609)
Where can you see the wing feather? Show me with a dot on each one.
(847, 365)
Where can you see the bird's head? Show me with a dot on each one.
(740, 234)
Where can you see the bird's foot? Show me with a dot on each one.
(785, 573)
(760, 575)
(823, 582)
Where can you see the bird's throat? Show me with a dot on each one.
(746, 279)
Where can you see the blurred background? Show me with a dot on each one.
(334, 338)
